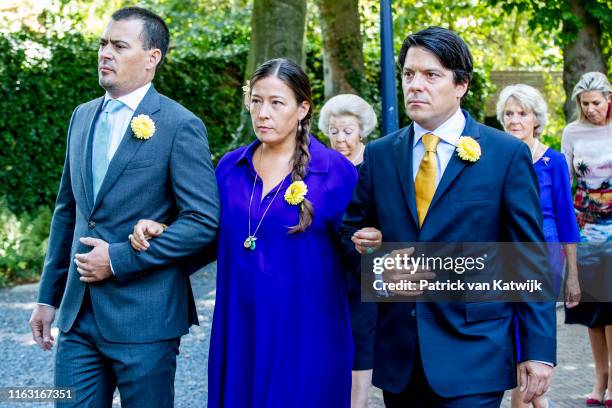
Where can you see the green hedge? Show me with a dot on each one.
(37, 97)
(23, 242)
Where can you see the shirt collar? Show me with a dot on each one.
(133, 99)
(449, 131)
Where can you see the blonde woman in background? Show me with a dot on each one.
(587, 146)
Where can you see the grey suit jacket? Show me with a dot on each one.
(168, 178)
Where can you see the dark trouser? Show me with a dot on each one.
(94, 367)
(418, 394)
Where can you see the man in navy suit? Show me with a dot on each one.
(414, 187)
(131, 153)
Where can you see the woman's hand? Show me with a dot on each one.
(572, 291)
(572, 286)
(367, 240)
(144, 230)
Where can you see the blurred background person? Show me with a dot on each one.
(348, 120)
(522, 111)
(587, 146)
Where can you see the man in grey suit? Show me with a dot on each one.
(131, 154)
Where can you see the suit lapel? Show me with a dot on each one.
(128, 147)
(402, 149)
(86, 153)
(455, 165)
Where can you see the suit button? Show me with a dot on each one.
(91, 224)
(413, 313)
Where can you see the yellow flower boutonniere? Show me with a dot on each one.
(143, 127)
(468, 149)
(296, 192)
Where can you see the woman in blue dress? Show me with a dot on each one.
(522, 112)
(280, 335)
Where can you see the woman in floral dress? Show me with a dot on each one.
(587, 146)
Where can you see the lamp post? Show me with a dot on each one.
(387, 63)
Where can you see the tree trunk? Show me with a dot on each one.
(342, 47)
(582, 55)
(277, 30)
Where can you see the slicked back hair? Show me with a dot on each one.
(452, 52)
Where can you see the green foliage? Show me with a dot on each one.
(554, 95)
(549, 16)
(37, 96)
(23, 242)
(480, 90)
(210, 87)
(497, 41)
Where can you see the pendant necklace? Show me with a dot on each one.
(249, 242)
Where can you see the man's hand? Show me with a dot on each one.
(40, 324)
(94, 266)
(367, 240)
(405, 273)
(534, 378)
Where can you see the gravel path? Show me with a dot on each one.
(23, 364)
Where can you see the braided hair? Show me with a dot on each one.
(295, 78)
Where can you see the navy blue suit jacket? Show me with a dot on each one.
(168, 178)
(466, 348)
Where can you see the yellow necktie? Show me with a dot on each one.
(425, 181)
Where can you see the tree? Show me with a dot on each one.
(342, 47)
(580, 22)
(583, 53)
(277, 30)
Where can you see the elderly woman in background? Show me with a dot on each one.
(522, 112)
(347, 120)
(587, 146)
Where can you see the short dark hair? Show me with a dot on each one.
(155, 33)
(452, 52)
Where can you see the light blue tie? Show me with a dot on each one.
(101, 144)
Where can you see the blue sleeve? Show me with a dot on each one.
(196, 196)
(565, 218)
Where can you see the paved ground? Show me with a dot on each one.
(23, 364)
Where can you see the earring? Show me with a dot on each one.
(299, 126)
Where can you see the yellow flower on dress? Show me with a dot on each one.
(468, 149)
(143, 127)
(296, 192)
